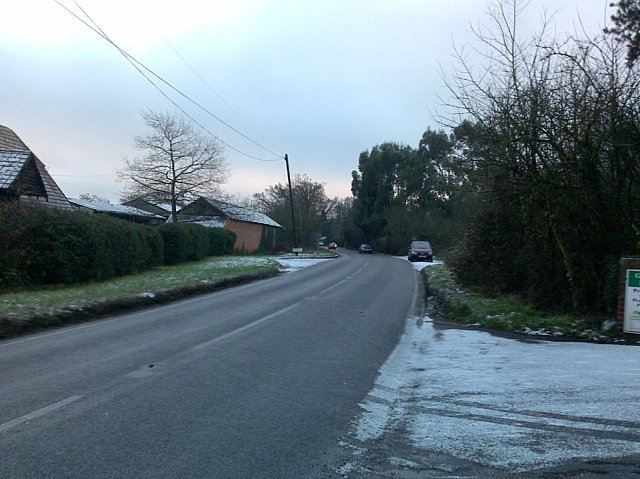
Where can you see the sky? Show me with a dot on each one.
(318, 80)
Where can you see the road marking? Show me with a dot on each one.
(38, 413)
(272, 315)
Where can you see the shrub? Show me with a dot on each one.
(221, 241)
(184, 242)
(41, 246)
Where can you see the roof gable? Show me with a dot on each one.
(11, 164)
(24, 176)
(203, 207)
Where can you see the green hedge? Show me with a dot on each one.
(190, 242)
(42, 246)
(184, 242)
(221, 241)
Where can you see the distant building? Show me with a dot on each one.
(157, 209)
(128, 213)
(23, 177)
(251, 228)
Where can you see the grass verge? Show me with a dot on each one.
(35, 309)
(448, 301)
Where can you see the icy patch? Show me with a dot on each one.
(293, 264)
(374, 421)
(398, 461)
(420, 265)
(239, 261)
(505, 403)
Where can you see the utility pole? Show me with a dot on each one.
(293, 218)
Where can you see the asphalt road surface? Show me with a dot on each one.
(259, 381)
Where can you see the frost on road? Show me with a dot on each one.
(514, 405)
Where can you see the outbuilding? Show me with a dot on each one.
(252, 229)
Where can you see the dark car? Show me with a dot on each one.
(420, 251)
(365, 248)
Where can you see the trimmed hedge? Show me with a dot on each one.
(190, 242)
(42, 246)
(184, 242)
(221, 241)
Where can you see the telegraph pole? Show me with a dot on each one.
(293, 219)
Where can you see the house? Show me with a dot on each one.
(252, 229)
(23, 177)
(128, 213)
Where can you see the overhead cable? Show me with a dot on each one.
(139, 66)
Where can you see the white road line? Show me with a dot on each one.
(38, 413)
(275, 313)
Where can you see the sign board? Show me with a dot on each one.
(297, 251)
(632, 302)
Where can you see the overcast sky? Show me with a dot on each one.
(320, 80)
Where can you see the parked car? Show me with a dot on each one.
(420, 251)
(332, 245)
(365, 248)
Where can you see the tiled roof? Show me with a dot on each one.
(208, 221)
(11, 163)
(55, 196)
(114, 209)
(239, 213)
(10, 141)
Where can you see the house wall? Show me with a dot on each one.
(248, 235)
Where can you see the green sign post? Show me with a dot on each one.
(632, 302)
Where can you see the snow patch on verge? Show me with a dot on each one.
(506, 403)
(293, 264)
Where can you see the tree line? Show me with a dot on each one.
(531, 186)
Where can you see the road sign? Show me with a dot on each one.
(632, 302)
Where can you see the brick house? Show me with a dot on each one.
(252, 229)
(23, 177)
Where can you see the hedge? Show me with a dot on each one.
(221, 241)
(43, 246)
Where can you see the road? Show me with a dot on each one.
(259, 381)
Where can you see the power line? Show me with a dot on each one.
(213, 90)
(139, 66)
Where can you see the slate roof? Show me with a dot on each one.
(239, 213)
(11, 163)
(209, 209)
(10, 141)
(24, 176)
(163, 209)
(208, 221)
(113, 209)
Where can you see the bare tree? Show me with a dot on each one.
(94, 198)
(177, 162)
(311, 204)
(556, 128)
